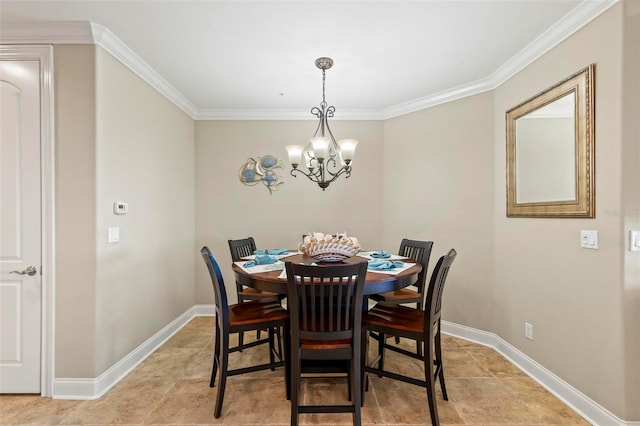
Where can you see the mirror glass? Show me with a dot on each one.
(546, 153)
(550, 146)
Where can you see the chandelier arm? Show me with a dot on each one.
(316, 174)
(343, 170)
(338, 172)
(319, 179)
(310, 175)
(328, 161)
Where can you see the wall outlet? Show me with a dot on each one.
(528, 330)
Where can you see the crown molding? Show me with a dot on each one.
(112, 44)
(82, 32)
(580, 16)
(45, 32)
(72, 32)
(556, 34)
(445, 96)
(284, 115)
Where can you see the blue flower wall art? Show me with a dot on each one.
(261, 170)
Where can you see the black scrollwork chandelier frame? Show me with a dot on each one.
(325, 159)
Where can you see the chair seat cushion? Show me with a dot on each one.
(395, 316)
(256, 312)
(403, 295)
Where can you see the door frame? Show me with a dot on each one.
(44, 54)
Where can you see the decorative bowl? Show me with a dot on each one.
(327, 248)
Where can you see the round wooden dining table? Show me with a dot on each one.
(375, 282)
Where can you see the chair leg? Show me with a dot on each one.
(295, 385)
(431, 384)
(216, 357)
(381, 341)
(355, 382)
(279, 339)
(241, 339)
(364, 382)
(439, 366)
(418, 344)
(272, 355)
(224, 367)
(287, 361)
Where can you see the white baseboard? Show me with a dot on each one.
(579, 402)
(88, 389)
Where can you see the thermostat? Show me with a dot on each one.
(120, 207)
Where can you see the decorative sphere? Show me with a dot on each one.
(268, 161)
(270, 177)
(249, 175)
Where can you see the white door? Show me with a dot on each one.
(20, 227)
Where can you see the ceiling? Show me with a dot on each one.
(255, 59)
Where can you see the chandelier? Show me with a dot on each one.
(324, 158)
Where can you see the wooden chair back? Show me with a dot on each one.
(433, 295)
(420, 251)
(242, 248)
(219, 291)
(325, 302)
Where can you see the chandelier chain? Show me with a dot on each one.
(324, 103)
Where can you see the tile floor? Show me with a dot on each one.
(172, 387)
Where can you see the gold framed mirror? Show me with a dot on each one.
(550, 151)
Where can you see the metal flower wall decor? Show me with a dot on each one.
(261, 170)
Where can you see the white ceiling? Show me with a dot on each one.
(220, 59)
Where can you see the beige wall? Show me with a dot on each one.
(227, 209)
(118, 139)
(630, 210)
(438, 177)
(75, 337)
(145, 156)
(572, 296)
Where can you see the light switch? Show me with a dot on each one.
(589, 239)
(634, 241)
(114, 235)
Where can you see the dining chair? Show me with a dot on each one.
(420, 252)
(421, 325)
(237, 318)
(242, 248)
(325, 308)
